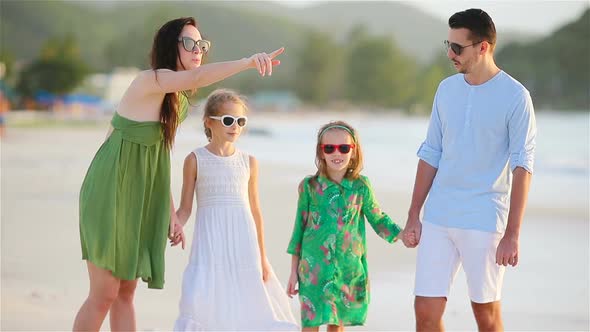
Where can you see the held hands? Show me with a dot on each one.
(264, 62)
(412, 232)
(293, 281)
(507, 251)
(408, 238)
(176, 232)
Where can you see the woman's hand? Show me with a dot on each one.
(264, 62)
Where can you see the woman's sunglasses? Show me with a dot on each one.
(343, 148)
(229, 121)
(458, 49)
(190, 45)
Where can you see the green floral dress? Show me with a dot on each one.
(329, 238)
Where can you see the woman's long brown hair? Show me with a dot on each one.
(164, 55)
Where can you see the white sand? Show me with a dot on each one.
(44, 281)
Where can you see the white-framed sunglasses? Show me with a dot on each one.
(229, 120)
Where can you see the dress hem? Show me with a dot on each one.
(145, 278)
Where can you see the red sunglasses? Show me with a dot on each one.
(343, 148)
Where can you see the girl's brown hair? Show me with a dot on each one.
(355, 165)
(164, 55)
(215, 102)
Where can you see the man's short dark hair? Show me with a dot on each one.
(478, 22)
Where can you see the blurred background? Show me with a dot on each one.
(64, 66)
(385, 55)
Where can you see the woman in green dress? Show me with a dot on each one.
(328, 245)
(126, 207)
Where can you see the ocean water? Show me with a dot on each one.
(562, 166)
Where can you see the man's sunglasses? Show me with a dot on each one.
(456, 48)
(190, 45)
(343, 148)
(229, 121)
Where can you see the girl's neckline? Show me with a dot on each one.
(218, 156)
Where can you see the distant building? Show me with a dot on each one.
(6, 95)
(117, 83)
(110, 87)
(97, 95)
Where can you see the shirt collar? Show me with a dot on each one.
(346, 183)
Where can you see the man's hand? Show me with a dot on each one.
(411, 234)
(507, 252)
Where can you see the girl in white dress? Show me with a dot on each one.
(228, 284)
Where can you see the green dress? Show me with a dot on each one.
(125, 201)
(329, 238)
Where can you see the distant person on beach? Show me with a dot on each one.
(126, 207)
(475, 167)
(2, 122)
(228, 284)
(328, 244)
(4, 107)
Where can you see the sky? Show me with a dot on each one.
(540, 17)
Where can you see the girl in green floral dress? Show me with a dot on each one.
(328, 244)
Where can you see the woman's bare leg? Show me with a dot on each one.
(104, 288)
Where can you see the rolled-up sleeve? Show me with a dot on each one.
(522, 132)
(431, 149)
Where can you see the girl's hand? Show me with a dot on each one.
(178, 236)
(411, 238)
(264, 62)
(408, 238)
(173, 222)
(265, 270)
(293, 281)
(412, 232)
(176, 232)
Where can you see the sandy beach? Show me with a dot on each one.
(44, 280)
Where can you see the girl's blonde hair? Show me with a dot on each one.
(355, 165)
(215, 102)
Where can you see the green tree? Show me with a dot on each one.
(555, 69)
(58, 70)
(379, 74)
(319, 60)
(427, 82)
(8, 60)
(357, 33)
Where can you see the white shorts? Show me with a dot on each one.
(441, 252)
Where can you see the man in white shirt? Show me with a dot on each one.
(479, 149)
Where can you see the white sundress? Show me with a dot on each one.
(222, 287)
